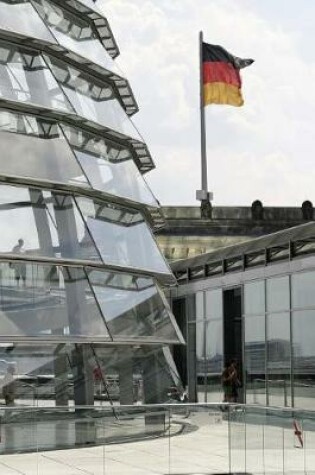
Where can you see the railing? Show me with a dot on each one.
(157, 439)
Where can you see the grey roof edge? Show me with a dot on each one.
(252, 245)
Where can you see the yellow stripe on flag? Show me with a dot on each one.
(222, 93)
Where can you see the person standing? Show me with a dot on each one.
(8, 388)
(230, 382)
(19, 267)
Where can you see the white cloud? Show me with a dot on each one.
(263, 150)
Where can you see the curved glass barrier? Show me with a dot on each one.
(19, 16)
(122, 236)
(43, 223)
(109, 167)
(133, 307)
(92, 99)
(47, 300)
(36, 148)
(74, 33)
(24, 77)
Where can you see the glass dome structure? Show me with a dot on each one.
(82, 314)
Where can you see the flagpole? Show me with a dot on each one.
(204, 171)
(203, 195)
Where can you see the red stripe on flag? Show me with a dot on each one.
(215, 71)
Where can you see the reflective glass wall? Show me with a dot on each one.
(209, 344)
(278, 341)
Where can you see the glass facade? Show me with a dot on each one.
(83, 320)
(276, 362)
(209, 344)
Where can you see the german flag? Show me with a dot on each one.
(221, 76)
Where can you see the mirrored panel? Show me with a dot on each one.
(200, 303)
(278, 294)
(19, 16)
(36, 148)
(214, 304)
(42, 223)
(279, 359)
(122, 236)
(133, 307)
(254, 298)
(303, 331)
(201, 378)
(24, 77)
(109, 166)
(214, 360)
(303, 294)
(74, 33)
(255, 359)
(47, 300)
(92, 99)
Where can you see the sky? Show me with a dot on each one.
(263, 150)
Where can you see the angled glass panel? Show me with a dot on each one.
(133, 307)
(109, 167)
(24, 77)
(122, 236)
(74, 33)
(70, 236)
(19, 16)
(40, 223)
(48, 301)
(36, 148)
(92, 99)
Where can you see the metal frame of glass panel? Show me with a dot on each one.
(58, 215)
(287, 301)
(67, 217)
(99, 305)
(82, 57)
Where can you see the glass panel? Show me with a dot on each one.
(200, 313)
(74, 33)
(278, 297)
(43, 300)
(254, 298)
(303, 329)
(38, 149)
(279, 359)
(24, 77)
(19, 16)
(255, 352)
(138, 374)
(109, 167)
(42, 223)
(133, 307)
(200, 360)
(122, 236)
(214, 304)
(214, 360)
(303, 294)
(92, 99)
